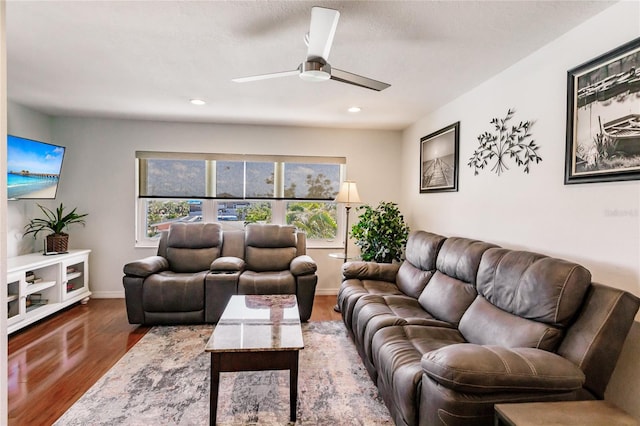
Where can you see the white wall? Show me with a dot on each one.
(30, 124)
(597, 225)
(3, 218)
(99, 177)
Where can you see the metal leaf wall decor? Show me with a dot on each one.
(506, 142)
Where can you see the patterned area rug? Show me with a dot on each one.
(164, 380)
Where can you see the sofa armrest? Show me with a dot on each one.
(227, 265)
(467, 367)
(303, 265)
(370, 271)
(144, 267)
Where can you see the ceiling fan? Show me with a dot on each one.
(316, 67)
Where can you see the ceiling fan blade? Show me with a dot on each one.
(357, 80)
(321, 31)
(266, 76)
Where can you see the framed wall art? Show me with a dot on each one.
(603, 117)
(439, 160)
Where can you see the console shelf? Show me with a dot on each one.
(38, 286)
(35, 288)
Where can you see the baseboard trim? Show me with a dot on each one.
(326, 291)
(107, 294)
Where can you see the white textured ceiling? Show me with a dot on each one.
(146, 59)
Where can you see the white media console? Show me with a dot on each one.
(39, 285)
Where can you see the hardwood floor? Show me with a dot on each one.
(52, 363)
(323, 309)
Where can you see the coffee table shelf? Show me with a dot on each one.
(256, 333)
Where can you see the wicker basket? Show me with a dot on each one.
(57, 242)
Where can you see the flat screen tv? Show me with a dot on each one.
(33, 168)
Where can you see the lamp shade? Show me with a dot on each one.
(348, 193)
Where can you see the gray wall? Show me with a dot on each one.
(30, 124)
(597, 224)
(99, 177)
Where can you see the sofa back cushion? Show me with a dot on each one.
(486, 324)
(233, 244)
(531, 297)
(270, 247)
(420, 262)
(452, 288)
(191, 247)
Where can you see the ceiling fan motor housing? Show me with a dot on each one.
(315, 71)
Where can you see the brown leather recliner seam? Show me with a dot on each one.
(495, 272)
(506, 387)
(504, 362)
(597, 334)
(564, 285)
(488, 373)
(529, 363)
(541, 339)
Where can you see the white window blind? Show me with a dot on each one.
(230, 176)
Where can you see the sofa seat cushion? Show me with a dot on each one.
(489, 369)
(280, 282)
(353, 289)
(174, 292)
(374, 312)
(397, 354)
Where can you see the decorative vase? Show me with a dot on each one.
(57, 243)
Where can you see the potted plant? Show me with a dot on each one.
(381, 233)
(56, 222)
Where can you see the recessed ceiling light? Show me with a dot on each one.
(354, 109)
(197, 102)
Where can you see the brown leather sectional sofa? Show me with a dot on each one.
(462, 325)
(198, 267)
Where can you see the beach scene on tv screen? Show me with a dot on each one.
(33, 168)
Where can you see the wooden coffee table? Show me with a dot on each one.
(256, 333)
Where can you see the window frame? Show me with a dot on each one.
(210, 204)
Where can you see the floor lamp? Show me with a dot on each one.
(348, 194)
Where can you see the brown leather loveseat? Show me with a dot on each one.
(462, 325)
(198, 267)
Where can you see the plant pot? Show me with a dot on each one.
(57, 242)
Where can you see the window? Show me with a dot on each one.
(318, 219)
(235, 190)
(159, 214)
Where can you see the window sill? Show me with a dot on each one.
(332, 246)
(311, 245)
(146, 244)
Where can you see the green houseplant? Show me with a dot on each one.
(56, 222)
(381, 233)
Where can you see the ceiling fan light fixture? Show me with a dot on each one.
(354, 109)
(315, 71)
(198, 102)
